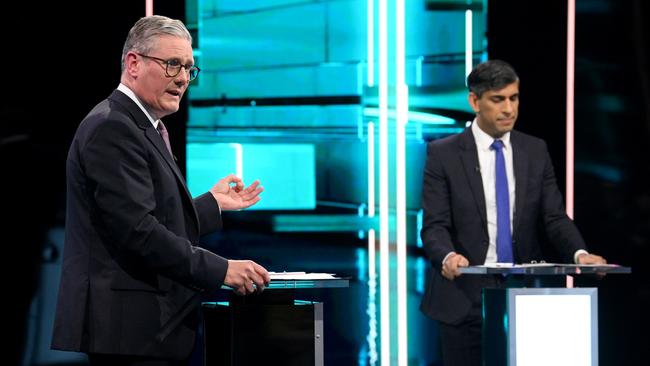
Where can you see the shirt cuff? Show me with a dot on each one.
(578, 252)
(447, 257)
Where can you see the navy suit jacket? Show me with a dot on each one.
(455, 216)
(131, 267)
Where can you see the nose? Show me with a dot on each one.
(508, 107)
(183, 77)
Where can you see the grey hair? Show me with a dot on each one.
(145, 32)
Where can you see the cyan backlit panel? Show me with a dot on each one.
(229, 6)
(317, 80)
(281, 36)
(346, 31)
(286, 171)
(278, 117)
(440, 32)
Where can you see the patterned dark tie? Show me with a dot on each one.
(165, 136)
(504, 236)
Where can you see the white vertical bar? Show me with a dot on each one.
(570, 75)
(148, 7)
(371, 169)
(372, 266)
(239, 160)
(402, 113)
(469, 48)
(384, 245)
(372, 293)
(370, 7)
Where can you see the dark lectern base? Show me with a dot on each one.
(255, 333)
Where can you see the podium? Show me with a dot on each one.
(540, 325)
(270, 328)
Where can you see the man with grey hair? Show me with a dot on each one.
(132, 269)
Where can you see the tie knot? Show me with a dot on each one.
(497, 145)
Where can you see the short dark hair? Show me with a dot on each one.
(490, 75)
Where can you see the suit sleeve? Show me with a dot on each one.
(560, 229)
(122, 189)
(209, 213)
(436, 225)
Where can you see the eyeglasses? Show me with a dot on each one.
(173, 67)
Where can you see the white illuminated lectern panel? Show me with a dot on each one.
(553, 326)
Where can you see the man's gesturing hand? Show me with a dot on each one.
(231, 194)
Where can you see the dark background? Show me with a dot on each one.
(612, 129)
(63, 58)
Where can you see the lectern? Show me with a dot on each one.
(540, 326)
(271, 328)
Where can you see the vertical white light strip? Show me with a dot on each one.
(384, 245)
(372, 302)
(239, 160)
(469, 48)
(371, 169)
(418, 70)
(148, 7)
(402, 112)
(372, 266)
(370, 7)
(570, 74)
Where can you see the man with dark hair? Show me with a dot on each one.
(132, 269)
(489, 196)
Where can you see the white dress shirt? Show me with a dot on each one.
(129, 93)
(486, 160)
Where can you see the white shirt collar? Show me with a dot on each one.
(483, 140)
(129, 93)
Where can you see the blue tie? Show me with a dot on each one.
(504, 237)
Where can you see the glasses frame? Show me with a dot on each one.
(167, 63)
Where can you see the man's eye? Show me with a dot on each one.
(173, 63)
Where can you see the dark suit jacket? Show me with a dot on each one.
(131, 267)
(455, 216)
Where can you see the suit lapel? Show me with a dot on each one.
(520, 167)
(469, 158)
(152, 135)
(157, 141)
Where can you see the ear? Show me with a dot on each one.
(132, 64)
(472, 98)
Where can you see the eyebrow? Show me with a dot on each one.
(502, 96)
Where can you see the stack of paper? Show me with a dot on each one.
(297, 276)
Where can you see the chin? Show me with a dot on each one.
(171, 110)
(506, 128)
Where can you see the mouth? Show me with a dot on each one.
(175, 93)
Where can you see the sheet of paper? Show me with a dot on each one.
(297, 276)
(543, 264)
(497, 265)
(523, 265)
(588, 265)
